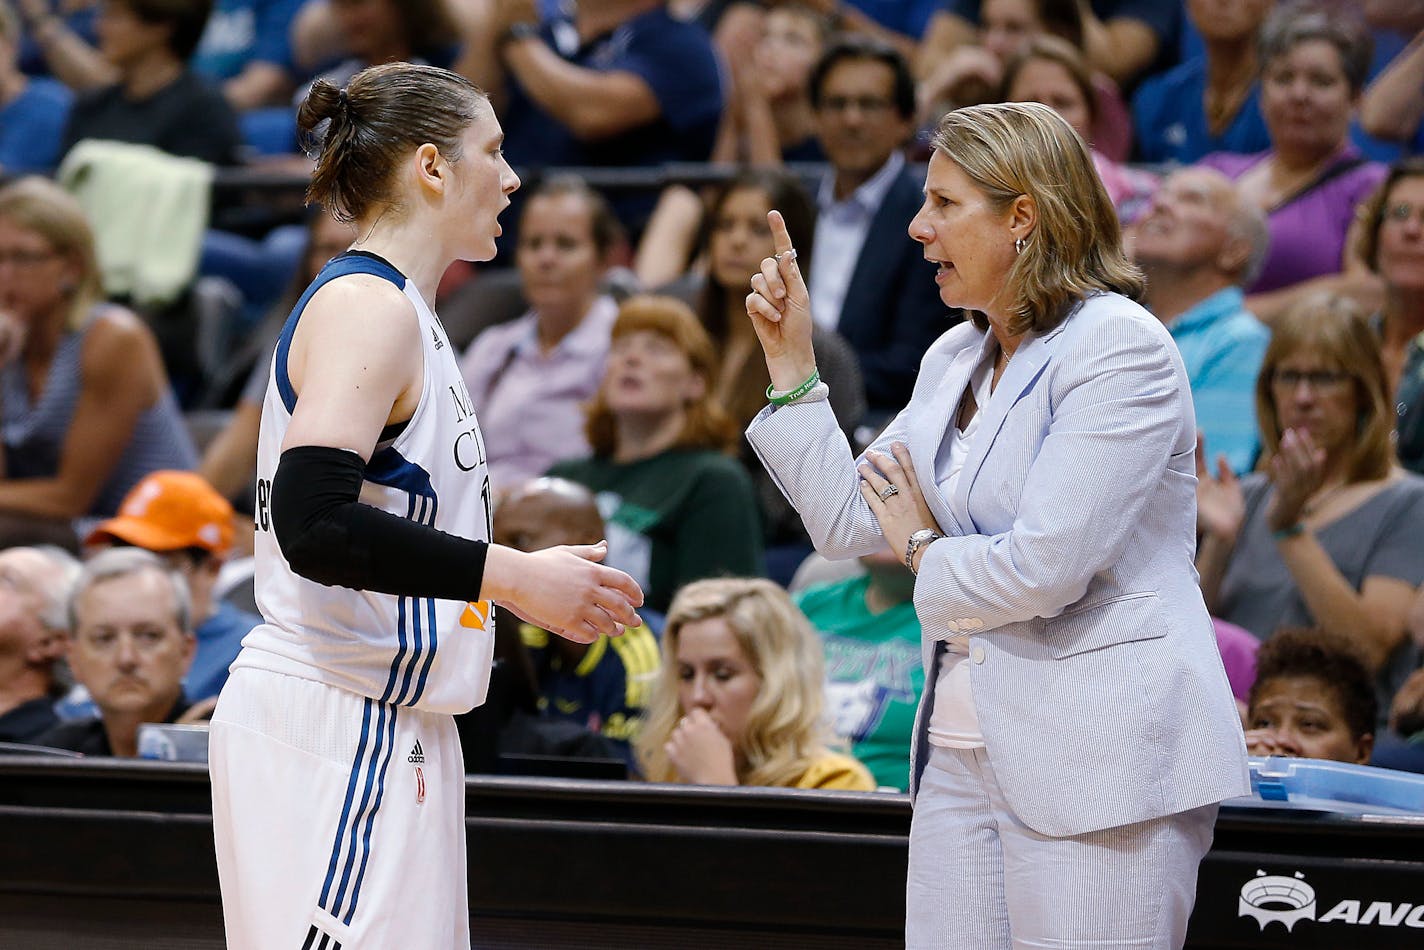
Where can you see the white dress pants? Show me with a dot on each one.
(980, 879)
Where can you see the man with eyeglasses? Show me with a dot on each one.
(868, 281)
(34, 588)
(182, 519)
(130, 643)
(1199, 243)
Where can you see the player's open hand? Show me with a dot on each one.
(564, 590)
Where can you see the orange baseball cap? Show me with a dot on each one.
(169, 511)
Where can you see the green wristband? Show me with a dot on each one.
(1281, 534)
(783, 399)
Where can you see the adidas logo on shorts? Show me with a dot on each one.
(417, 755)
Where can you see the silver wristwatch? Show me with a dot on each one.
(918, 540)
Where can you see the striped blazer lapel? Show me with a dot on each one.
(1019, 376)
(924, 451)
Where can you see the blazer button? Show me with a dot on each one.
(977, 654)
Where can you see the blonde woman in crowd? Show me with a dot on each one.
(739, 699)
(85, 405)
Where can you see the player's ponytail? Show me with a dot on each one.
(358, 135)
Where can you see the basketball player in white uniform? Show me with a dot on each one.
(338, 785)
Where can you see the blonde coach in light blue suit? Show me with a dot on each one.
(1077, 730)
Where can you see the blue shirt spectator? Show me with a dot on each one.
(909, 17)
(80, 22)
(240, 32)
(1222, 345)
(1199, 243)
(677, 62)
(1170, 121)
(32, 111)
(32, 126)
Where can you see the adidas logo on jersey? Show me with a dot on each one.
(439, 343)
(417, 755)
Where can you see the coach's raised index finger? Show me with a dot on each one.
(780, 237)
(786, 266)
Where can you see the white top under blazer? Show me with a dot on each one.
(429, 654)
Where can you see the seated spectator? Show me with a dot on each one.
(52, 28)
(33, 110)
(874, 672)
(180, 518)
(1392, 232)
(974, 73)
(1125, 39)
(1311, 180)
(333, 40)
(863, 284)
(530, 378)
(735, 242)
(1326, 533)
(676, 506)
(373, 32)
(1211, 102)
(1312, 699)
(602, 686)
(86, 408)
(740, 697)
(246, 47)
(1199, 243)
(768, 116)
(1050, 71)
(156, 98)
(866, 282)
(618, 83)
(130, 645)
(34, 596)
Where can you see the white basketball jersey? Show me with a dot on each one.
(434, 655)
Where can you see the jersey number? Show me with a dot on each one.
(264, 504)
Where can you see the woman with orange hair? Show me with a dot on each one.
(677, 506)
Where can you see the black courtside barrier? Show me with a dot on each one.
(118, 854)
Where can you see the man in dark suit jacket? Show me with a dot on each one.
(868, 280)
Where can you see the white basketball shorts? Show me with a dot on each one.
(339, 821)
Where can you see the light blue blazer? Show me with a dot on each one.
(1067, 563)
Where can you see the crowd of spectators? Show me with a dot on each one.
(1260, 156)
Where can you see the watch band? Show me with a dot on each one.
(918, 540)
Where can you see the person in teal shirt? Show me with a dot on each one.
(874, 673)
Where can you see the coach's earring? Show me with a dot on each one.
(1019, 245)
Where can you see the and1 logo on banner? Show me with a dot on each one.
(1277, 899)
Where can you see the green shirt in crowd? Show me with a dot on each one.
(676, 517)
(874, 674)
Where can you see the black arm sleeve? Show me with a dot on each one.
(328, 536)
